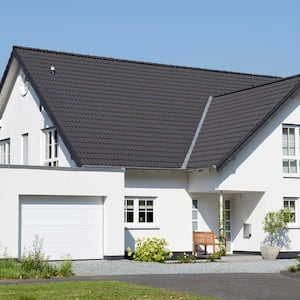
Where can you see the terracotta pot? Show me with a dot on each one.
(269, 252)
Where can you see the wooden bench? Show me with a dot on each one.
(205, 238)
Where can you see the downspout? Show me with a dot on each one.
(198, 130)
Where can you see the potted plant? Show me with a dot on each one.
(274, 224)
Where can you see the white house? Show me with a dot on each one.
(96, 152)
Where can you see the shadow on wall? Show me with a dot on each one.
(129, 240)
(280, 239)
(209, 211)
(243, 205)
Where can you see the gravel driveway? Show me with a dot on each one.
(233, 264)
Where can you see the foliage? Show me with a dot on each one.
(150, 250)
(34, 264)
(213, 257)
(222, 233)
(90, 290)
(296, 268)
(274, 223)
(65, 269)
(185, 258)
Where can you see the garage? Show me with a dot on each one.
(67, 225)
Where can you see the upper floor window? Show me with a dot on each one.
(51, 148)
(5, 152)
(291, 149)
(139, 210)
(291, 207)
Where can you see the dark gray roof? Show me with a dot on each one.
(113, 112)
(234, 118)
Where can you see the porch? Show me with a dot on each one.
(234, 215)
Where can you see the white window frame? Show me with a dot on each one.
(136, 209)
(296, 203)
(289, 160)
(5, 152)
(25, 148)
(195, 214)
(51, 148)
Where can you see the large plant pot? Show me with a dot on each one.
(269, 252)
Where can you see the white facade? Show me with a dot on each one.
(172, 208)
(253, 183)
(20, 183)
(24, 115)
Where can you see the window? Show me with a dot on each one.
(227, 219)
(139, 210)
(290, 205)
(129, 211)
(5, 152)
(195, 214)
(51, 148)
(25, 148)
(291, 149)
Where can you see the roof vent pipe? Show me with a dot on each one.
(52, 70)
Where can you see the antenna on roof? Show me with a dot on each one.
(52, 70)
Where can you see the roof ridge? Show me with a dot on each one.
(141, 62)
(259, 85)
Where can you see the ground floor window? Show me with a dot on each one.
(139, 210)
(227, 219)
(195, 215)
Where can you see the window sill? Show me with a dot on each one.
(296, 226)
(291, 175)
(142, 226)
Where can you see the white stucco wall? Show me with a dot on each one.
(62, 182)
(22, 115)
(173, 207)
(256, 180)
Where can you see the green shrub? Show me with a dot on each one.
(34, 260)
(185, 258)
(217, 255)
(34, 263)
(65, 268)
(150, 250)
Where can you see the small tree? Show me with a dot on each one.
(274, 224)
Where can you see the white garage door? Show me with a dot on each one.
(68, 226)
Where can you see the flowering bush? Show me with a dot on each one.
(150, 250)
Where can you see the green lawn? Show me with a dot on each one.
(89, 290)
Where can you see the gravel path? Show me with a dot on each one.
(245, 264)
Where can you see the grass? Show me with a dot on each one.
(90, 290)
(10, 269)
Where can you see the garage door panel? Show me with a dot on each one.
(67, 226)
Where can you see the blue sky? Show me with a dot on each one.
(257, 36)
